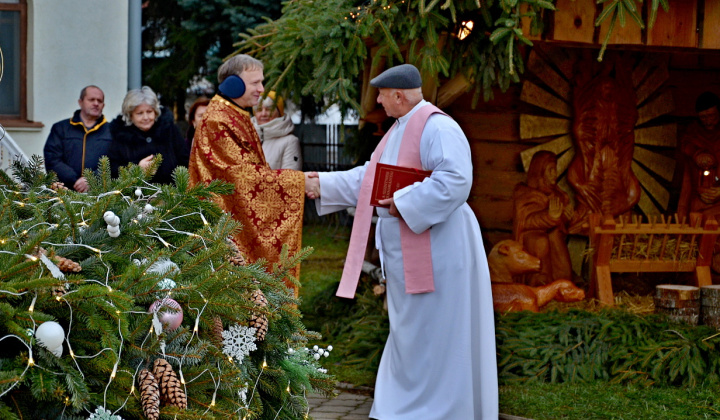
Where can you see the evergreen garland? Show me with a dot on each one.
(612, 345)
(319, 48)
(109, 334)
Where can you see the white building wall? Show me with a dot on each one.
(72, 44)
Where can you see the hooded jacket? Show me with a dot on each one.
(281, 148)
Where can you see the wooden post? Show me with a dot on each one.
(603, 251)
(705, 251)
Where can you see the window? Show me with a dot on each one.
(13, 29)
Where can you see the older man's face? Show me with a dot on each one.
(390, 100)
(709, 118)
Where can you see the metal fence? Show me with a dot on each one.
(323, 151)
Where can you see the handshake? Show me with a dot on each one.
(312, 185)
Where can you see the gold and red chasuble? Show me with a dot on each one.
(268, 203)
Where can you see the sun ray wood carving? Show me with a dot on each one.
(563, 84)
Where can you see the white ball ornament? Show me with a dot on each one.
(109, 217)
(317, 356)
(330, 348)
(148, 208)
(51, 336)
(138, 192)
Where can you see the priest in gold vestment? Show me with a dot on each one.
(268, 203)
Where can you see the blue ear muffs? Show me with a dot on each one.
(232, 87)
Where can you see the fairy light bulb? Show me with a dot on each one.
(32, 304)
(264, 363)
(212, 403)
(288, 387)
(205, 222)
(182, 378)
(72, 353)
(31, 362)
(132, 389)
(114, 371)
(195, 328)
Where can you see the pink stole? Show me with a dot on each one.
(415, 247)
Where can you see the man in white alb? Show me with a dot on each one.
(439, 361)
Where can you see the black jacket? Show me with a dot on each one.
(66, 143)
(131, 145)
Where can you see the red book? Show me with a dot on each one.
(390, 178)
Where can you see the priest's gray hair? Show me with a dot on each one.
(137, 97)
(237, 65)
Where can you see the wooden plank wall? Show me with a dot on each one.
(493, 128)
(690, 34)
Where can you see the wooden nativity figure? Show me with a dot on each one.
(605, 114)
(542, 214)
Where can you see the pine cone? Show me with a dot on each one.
(217, 330)
(257, 320)
(149, 395)
(260, 323)
(57, 186)
(67, 265)
(58, 290)
(237, 257)
(171, 390)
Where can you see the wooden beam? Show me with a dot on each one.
(657, 163)
(549, 76)
(574, 20)
(630, 34)
(660, 135)
(656, 107)
(656, 79)
(556, 146)
(676, 28)
(657, 191)
(533, 126)
(535, 95)
(710, 36)
(646, 205)
(451, 90)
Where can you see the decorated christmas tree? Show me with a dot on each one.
(131, 302)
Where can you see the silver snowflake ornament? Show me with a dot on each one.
(238, 342)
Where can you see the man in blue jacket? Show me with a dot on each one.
(78, 143)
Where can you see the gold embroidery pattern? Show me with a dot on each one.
(268, 203)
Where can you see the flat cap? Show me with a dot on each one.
(404, 76)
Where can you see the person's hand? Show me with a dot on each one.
(146, 162)
(81, 185)
(312, 185)
(709, 195)
(555, 209)
(392, 209)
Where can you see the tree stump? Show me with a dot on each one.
(679, 303)
(710, 305)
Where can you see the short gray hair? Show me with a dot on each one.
(137, 97)
(238, 64)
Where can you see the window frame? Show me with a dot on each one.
(21, 119)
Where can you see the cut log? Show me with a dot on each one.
(680, 303)
(710, 306)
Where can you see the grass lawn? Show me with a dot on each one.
(357, 330)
